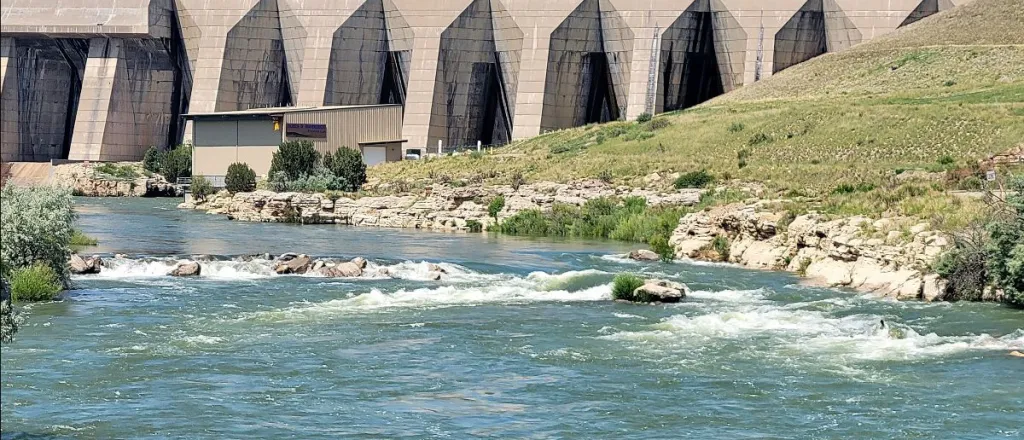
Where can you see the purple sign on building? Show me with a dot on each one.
(306, 131)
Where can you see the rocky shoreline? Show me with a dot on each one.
(84, 180)
(889, 257)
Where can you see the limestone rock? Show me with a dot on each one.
(342, 270)
(187, 269)
(933, 288)
(644, 255)
(292, 264)
(431, 267)
(660, 291)
(81, 266)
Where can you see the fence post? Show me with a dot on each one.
(440, 152)
(479, 144)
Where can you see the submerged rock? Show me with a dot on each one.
(644, 255)
(431, 267)
(662, 291)
(81, 266)
(187, 269)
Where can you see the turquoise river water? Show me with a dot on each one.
(519, 341)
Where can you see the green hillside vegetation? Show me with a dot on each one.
(843, 133)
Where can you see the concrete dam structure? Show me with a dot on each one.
(104, 83)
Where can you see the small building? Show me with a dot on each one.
(252, 136)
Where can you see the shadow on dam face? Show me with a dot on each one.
(588, 68)
(370, 57)
(254, 73)
(926, 8)
(819, 26)
(477, 77)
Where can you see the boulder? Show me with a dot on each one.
(360, 262)
(187, 269)
(317, 265)
(660, 291)
(1017, 354)
(292, 264)
(644, 255)
(341, 270)
(81, 266)
(434, 276)
(431, 267)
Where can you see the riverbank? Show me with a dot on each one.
(121, 179)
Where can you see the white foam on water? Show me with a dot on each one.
(730, 296)
(565, 280)
(425, 298)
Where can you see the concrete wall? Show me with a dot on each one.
(463, 69)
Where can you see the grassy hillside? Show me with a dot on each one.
(935, 96)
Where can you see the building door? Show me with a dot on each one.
(375, 155)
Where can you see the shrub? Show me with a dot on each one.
(1005, 249)
(320, 181)
(8, 317)
(624, 285)
(201, 188)
(517, 180)
(240, 178)
(36, 225)
(802, 269)
(79, 239)
(176, 163)
(964, 267)
(605, 176)
(495, 206)
(946, 160)
(37, 282)
(721, 247)
(659, 244)
(347, 164)
(694, 179)
(644, 117)
(116, 171)
(759, 139)
(736, 127)
(295, 159)
(530, 222)
(474, 226)
(658, 124)
(151, 160)
(599, 139)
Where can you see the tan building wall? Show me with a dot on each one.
(465, 69)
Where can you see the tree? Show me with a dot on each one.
(151, 161)
(36, 225)
(347, 164)
(176, 163)
(201, 188)
(295, 159)
(1005, 247)
(240, 178)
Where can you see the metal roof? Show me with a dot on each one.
(273, 111)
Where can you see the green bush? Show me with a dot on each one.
(495, 206)
(79, 239)
(37, 282)
(644, 117)
(347, 164)
(624, 285)
(759, 139)
(530, 223)
(36, 225)
(320, 181)
(176, 163)
(126, 172)
(694, 179)
(474, 226)
(721, 246)
(658, 124)
(1005, 248)
(295, 159)
(736, 127)
(151, 160)
(240, 178)
(659, 244)
(201, 188)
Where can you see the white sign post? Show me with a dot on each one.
(990, 175)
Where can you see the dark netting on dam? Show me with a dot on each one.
(588, 68)
(477, 77)
(701, 56)
(370, 56)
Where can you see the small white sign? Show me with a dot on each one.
(990, 175)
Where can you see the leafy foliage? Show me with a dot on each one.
(126, 172)
(721, 247)
(624, 285)
(170, 164)
(240, 178)
(8, 317)
(36, 225)
(495, 206)
(474, 226)
(659, 244)
(964, 267)
(37, 282)
(643, 117)
(694, 179)
(347, 164)
(295, 159)
(79, 239)
(201, 187)
(151, 160)
(1005, 248)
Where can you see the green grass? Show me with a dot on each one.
(125, 172)
(949, 86)
(79, 239)
(35, 283)
(624, 285)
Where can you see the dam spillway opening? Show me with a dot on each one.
(818, 27)
(370, 56)
(588, 68)
(477, 77)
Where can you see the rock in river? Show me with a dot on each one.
(644, 255)
(660, 291)
(82, 266)
(187, 269)
(292, 264)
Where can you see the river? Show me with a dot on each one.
(519, 340)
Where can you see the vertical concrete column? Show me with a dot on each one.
(87, 140)
(10, 135)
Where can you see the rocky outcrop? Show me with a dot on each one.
(890, 257)
(292, 264)
(660, 291)
(85, 266)
(349, 269)
(643, 255)
(437, 208)
(84, 180)
(187, 269)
